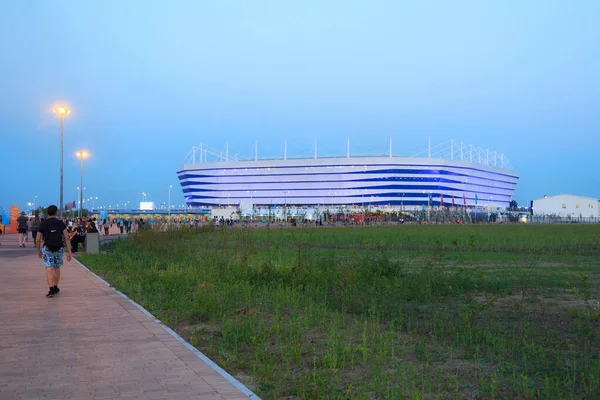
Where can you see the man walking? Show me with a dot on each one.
(22, 228)
(29, 229)
(53, 232)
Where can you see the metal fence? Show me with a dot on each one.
(477, 217)
(553, 219)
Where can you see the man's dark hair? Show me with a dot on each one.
(52, 210)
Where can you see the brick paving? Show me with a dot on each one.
(88, 342)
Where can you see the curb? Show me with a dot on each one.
(194, 350)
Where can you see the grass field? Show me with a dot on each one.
(416, 312)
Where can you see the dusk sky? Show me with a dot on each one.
(147, 80)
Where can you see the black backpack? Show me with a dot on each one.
(53, 239)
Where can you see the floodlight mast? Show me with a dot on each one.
(451, 149)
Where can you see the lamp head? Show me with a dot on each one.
(61, 110)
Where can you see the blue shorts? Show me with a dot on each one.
(52, 258)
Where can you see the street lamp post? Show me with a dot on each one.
(170, 187)
(429, 206)
(285, 213)
(80, 191)
(81, 155)
(61, 111)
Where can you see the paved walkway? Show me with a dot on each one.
(88, 342)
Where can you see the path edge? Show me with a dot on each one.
(171, 332)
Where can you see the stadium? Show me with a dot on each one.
(448, 175)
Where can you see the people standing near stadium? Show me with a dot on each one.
(22, 228)
(35, 226)
(29, 229)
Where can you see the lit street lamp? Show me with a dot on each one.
(61, 111)
(81, 155)
(144, 194)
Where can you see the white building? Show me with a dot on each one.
(567, 205)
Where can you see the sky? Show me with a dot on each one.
(147, 80)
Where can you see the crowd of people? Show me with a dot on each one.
(77, 228)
